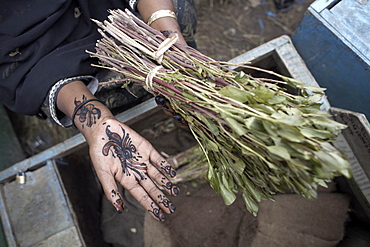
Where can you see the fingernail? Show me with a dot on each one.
(175, 191)
(160, 100)
(163, 217)
(172, 208)
(118, 204)
(173, 173)
(178, 117)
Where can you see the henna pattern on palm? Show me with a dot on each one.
(125, 151)
(88, 113)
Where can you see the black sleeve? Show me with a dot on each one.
(43, 41)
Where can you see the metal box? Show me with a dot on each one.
(38, 211)
(355, 142)
(333, 39)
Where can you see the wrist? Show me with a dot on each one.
(85, 111)
(90, 114)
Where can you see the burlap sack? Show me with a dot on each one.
(202, 219)
(295, 221)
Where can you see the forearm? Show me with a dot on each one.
(167, 25)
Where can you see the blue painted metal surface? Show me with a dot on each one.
(335, 54)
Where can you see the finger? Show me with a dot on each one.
(142, 196)
(166, 107)
(161, 164)
(162, 181)
(157, 195)
(111, 191)
(163, 103)
(180, 120)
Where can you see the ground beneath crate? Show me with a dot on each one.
(228, 28)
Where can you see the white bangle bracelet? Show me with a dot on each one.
(159, 14)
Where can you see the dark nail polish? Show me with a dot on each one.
(163, 217)
(173, 173)
(175, 191)
(160, 100)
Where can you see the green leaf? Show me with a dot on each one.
(252, 189)
(335, 162)
(264, 93)
(315, 89)
(314, 98)
(235, 93)
(238, 166)
(249, 121)
(270, 128)
(277, 99)
(211, 174)
(272, 166)
(289, 120)
(264, 108)
(306, 152)
(228, 196)
(315, 133)
(236, 126)
(279, 151)
(240, 76)
(189, 96)
(293, 82)
(210, 145)
(250, 204)
(291, 134)
(328, 124)
(178, 76)
(211, 126)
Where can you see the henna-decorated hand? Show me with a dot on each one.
(120, 154)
